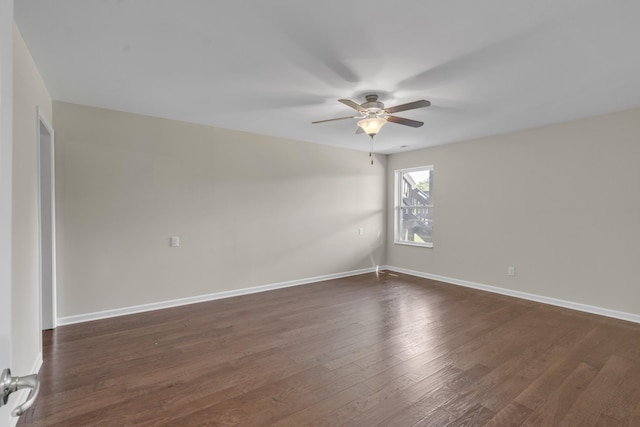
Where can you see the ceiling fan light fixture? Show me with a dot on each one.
(372, 125)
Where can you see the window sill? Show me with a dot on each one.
(420, 245)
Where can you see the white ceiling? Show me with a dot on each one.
(273, 67)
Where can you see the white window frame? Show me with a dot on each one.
(398, 194)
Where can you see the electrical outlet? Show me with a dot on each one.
(360, 231)
(511, 271)
(174, 241)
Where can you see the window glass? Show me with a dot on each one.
(414, 206)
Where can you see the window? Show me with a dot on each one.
(414, 206)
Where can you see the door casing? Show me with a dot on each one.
(47, 238)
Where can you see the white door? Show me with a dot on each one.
(8, 383)
(6, 28)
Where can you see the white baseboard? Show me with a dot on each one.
(245, 291)
(202, 298)
(37, 364)
(630, 317)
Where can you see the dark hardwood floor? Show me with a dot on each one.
(389, 350)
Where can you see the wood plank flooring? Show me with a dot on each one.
(387, 349)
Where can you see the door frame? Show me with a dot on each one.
(46, 221)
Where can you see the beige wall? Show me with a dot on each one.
(29, 92)
(559, 203)
(250, 210)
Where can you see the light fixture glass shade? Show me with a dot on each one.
(372, 125)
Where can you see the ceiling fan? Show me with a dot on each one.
(373, 115)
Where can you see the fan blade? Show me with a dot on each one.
(409, 106)
(333, 120)
(353, 105)
(403, 121)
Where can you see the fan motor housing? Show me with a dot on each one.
(372, 104)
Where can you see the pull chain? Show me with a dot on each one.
(371, 149)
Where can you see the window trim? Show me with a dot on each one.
(397, 201)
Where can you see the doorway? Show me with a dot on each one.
(46, 190)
